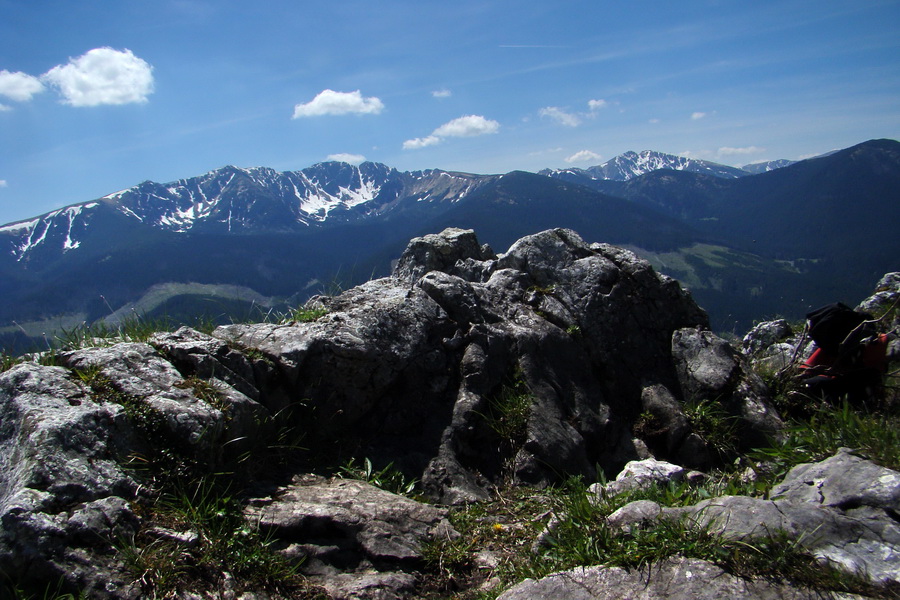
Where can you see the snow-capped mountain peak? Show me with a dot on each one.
(247, 200)
(634, 164)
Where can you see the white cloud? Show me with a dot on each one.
(467, 126)
(3, 183)
(102, 76)
(442, 93)
(726, 151)
(697, 116)
(597, 104)
(4, 108)
(19, 86)
(560, 116)
(353, 159)
(583, 156)
(329, 102)
(416, 143)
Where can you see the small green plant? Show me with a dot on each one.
(506, 525)
(205, 512)
(647, 425)
(711, 421)
(12, 591)
(509, 409)
(8, 361)
(582, 537)
(874, 435)
(132, 328)
(281, 449)
(306, 315)
(388, 478)
(543, 290)
(448, 558)
(205, 390)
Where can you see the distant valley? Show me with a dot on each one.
(751, 243)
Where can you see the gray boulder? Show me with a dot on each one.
(841, 510)
(353, 539)
(69, 437)
(710, 369)
(63, 489)
(844, 481)
(639, 475)
(580, 330)
(674, 579)
(196, 421)
(886, 296)
(765, 334)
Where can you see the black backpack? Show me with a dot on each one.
(830, 326)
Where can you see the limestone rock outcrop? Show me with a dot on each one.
(579, 330)
(465, 369)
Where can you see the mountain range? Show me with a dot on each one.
(773, 238)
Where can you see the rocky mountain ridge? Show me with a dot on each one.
(234, 200)
(465, 369)
(774, 243)
(632, 164)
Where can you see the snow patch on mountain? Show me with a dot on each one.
(58, 224)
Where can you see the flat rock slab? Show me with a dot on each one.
(674, 579)
(355, 540)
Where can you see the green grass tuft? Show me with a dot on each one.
(387, 478)
(213, 539)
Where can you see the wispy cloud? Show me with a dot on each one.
(19, 86)
(727, 151)
(102, 76)
(697, 116)
(3, 183)
(329, 102)
(595, 105)
(467, 126)
(583, 156)
(560, 116)
(353, 159)
(422, 142)
(442, 93)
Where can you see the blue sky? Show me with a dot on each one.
(97, 96)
